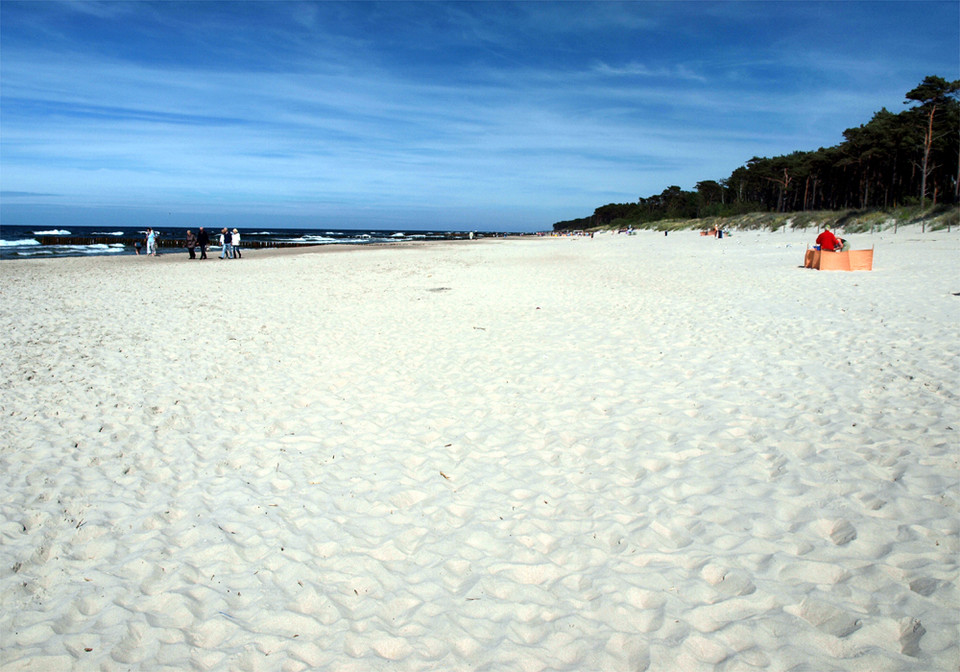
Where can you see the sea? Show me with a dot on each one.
(24, 242)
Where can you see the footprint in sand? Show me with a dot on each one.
(911, 630)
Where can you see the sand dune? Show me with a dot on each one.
(624, 453)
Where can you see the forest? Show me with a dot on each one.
(894, 160)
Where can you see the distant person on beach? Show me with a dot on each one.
(136, 247)
(235, 241)
(827, 241)
(225, 243)
(191, 244)
(203, 240)
(151, 243)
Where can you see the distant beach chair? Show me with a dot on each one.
(851, 260)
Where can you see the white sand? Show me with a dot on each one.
(625, 453)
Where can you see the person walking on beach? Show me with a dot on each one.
(225, 243)
(203, 240)
(151, 243)
(235, 241)
(191, 244)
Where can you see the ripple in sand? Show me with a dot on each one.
(826, 617)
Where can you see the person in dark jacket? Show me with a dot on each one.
(203, 239)
(226, 243)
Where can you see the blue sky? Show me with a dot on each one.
(494, 115)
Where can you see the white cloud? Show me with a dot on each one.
(636, 69)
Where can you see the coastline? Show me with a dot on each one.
(25, 242)
(627, 452)
(180, 254)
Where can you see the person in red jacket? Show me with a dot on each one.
(828, 241)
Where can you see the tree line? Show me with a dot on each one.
(894, 160)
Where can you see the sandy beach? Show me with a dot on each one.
(632, 453)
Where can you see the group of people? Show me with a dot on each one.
(830, 242)
(229, 243)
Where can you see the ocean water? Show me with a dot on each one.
(24, 242)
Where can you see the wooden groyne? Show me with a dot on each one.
(161, 242)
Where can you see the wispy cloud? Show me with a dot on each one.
(635, 69)
(25, 194)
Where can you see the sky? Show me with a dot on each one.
(428, 115)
